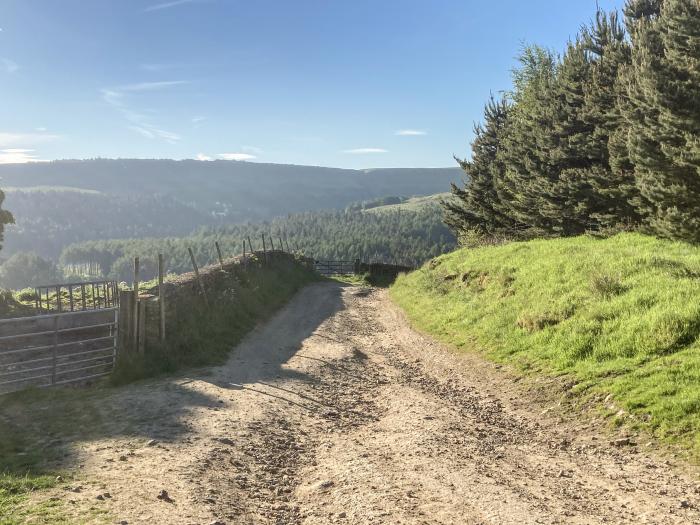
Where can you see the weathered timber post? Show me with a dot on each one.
(244, 259)
(281, 244)
(135, 312)
(126, 321)
(199, 279)
(218, 252)
(141, 328)
(264, 249)
(54, 353)
(161, 295)
(287, 243)
(357, 266)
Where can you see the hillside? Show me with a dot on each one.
(619, 318)
(62, 202)
(240, 190)
(408, 238)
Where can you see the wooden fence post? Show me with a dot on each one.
(135, 312)
(244, 259)
(199, 279)
(161, 295)
(218, 252)
(281, 244)
(264, 248)
(141, 328)
(54, 354)
(126, 320)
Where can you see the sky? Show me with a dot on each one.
(344, 83)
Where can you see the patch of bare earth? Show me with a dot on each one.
(337, 412)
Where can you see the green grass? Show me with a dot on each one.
(204, 335)
(618, 316)
(37, 428)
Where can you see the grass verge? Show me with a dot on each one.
(204, 334)
(619, 316)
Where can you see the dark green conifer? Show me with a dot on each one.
(477, 205)
(664, 114)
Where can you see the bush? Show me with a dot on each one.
(24, 270)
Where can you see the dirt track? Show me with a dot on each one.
(337, 412)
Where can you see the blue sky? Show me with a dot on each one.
(347, 83)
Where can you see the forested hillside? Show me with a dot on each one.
(62, 202)
(407, 237)
(48, 221)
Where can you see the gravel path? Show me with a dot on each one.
(336, 411)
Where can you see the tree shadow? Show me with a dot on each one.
(39, 429)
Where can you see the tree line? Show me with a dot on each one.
(602, 138)
(399, 237)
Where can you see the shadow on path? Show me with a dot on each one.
(39, 428)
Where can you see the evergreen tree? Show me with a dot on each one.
(663, 114)
(5, 218)
(611, 174)
(477, 205)
(525, 138)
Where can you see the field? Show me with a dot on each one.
(618, 318)
(414, 204)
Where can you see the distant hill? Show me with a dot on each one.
(61, 202)
(239, 190)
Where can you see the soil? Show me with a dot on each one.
(336, 411)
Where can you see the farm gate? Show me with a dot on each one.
(57, 348)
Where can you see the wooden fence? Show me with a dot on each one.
(91, 295)
(57, 349)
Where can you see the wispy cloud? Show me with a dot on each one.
(411, 133)
(236, 156)
(8, 65)
(203, 157)
(197, 121)
(10, 140)
(18, 156)
(364, 151)
(168, 5)
(252, 150)
(152, 86)
(17, 148)
(154, 67)
(139, 122)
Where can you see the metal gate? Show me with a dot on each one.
(328, 268)
(57, 349)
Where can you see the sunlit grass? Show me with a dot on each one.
(620, 315)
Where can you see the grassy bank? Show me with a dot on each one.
(619, 316)
(203, 334)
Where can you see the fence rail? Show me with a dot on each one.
(57, 349)
(71, 297)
